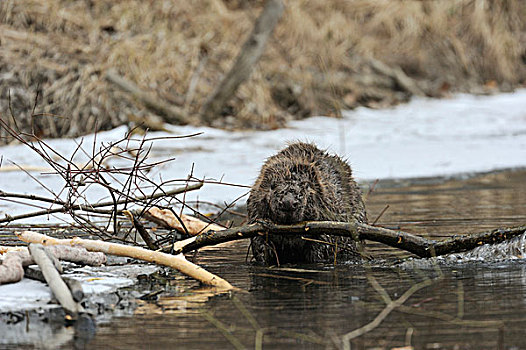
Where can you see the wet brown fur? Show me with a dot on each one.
(304, 183)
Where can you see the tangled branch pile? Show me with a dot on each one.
(324, 56)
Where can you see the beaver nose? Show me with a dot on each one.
(288, 202)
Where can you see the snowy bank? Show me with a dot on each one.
(426, 137)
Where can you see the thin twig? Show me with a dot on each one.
(380, 215)
(65, 209)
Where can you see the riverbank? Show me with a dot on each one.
(424, 138)
(323, 57)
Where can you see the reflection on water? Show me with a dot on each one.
(469, 305)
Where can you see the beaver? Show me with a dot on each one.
(304, 183)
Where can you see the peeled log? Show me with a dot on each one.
(177, 262)
(11, 269)
(55, 282)
(193, 225)
(15, 258)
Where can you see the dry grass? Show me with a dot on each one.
(317, 61)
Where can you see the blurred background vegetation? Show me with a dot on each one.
(324, 56)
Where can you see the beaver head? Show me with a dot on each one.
(289, 191)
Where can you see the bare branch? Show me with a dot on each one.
(417, 245)
(65, 209)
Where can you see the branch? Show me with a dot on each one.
(142, 231)
(250, 53)
(468, 242)
(417, 245)
(66, 208)
(31, 197)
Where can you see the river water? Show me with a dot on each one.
(475, 302)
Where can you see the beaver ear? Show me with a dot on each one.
(266, 178)
(258, 206)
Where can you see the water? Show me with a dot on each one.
(470, 304)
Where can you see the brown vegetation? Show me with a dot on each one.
(323, 56)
